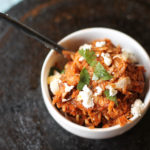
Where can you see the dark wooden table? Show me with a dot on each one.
(25, 124)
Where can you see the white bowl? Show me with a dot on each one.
(72, 42)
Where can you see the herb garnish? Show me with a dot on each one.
(63, 71)
(101, 73)
(89, 56)
(84, 79)
(112, 98)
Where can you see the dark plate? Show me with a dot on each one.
(25, 124)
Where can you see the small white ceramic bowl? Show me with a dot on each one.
(72, 42)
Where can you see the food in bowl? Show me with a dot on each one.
(101, 85)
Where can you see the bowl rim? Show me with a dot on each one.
(46, 99)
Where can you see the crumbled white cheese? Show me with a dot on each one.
(65, 100)
(100, 44)
(107, 58)
(54, 83)
(112, 91)
(68, 88)
(123, 82)
(86, 97)
(95, 78)
(137, 108)
(126, 56)
(56, 72)
(86, 47)
(99, 91)
(97, 55)
(81, 58)
(133, 58)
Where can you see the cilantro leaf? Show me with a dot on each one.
(52, 70)
(84, 79)
(93, 63)
(89, 56)
(112, 98)
(63, 71)
(101, 73)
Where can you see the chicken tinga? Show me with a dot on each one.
(100, 86)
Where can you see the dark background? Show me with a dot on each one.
(25, 124)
